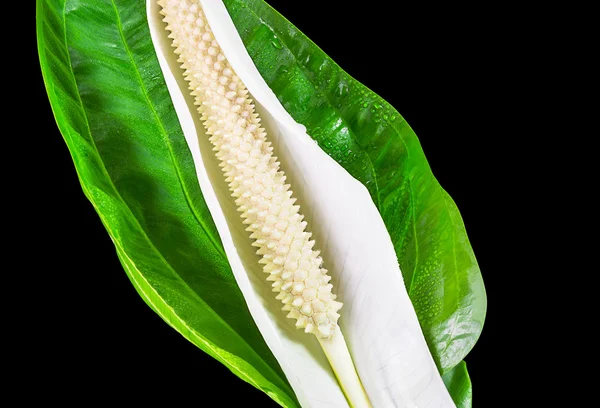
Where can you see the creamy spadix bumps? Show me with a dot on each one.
(256, 182)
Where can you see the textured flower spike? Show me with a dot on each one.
(255, 180)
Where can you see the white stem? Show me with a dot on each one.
(341, 362)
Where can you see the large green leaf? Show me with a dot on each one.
(113, 109)
(371, 140)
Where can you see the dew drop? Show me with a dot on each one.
(276, 42)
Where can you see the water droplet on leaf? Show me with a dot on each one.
(276, 42)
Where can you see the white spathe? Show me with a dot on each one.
(378, 319)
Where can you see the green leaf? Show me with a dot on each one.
(371, 140)
(113, 109)
(459, 384)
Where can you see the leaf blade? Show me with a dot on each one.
(73, 90)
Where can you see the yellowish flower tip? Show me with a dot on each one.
(258, 185)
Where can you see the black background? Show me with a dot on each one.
(444, 71)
